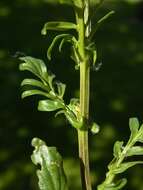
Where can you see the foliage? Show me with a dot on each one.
(51, 176)
(118, 165)
(84, 53)
(52, 90)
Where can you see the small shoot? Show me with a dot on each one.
(119, 165)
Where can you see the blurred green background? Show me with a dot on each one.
(116, 90)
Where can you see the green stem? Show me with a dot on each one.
(84, 105)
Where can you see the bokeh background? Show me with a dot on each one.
(116, 90)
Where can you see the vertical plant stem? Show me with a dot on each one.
(84, 106)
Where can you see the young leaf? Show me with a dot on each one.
(49, 105)
(58, 26)
(135, 150)
(105, 17)
(35, 92)
(117, 165)
(70, 38)
(61, 89)
(91, 48)
(140, 138)
(124, 166)
(100, 22)
(51, 175)
(35, 83)
(71, 117)
(134, 127)
(36, 66)
(114, 186)
(75, 56)
(53, 44)
(50, 82)
(117, 149)
(120, 184)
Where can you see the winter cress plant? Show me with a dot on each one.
(83, 52)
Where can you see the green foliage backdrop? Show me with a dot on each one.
(117, 92)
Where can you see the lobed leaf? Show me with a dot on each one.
(117, 148)
(50, 105)
(58, 26)
(126, 165)
(35, 83)
(51, 175)
(35, 92)
(135, 150)
(36, 66)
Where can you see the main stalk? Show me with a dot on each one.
(82, 18)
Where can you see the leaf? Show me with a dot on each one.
(35, 83)
(124, 166)
(49, 105)
(75, 56)
(35, 92)
(92, 50)
(94, 56)
(114, 186)
(73, 115)
(73, 120)
(61, 89)
(36, 66)
(99, 22)
(140, 138)
(118, 185)
(58, 26)
(135, 150)
(51, 175)
(117, 148)
(50, 80)
(60, 112)
(105, 17)
(134, 127)
(53, 44)
(70, 38)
